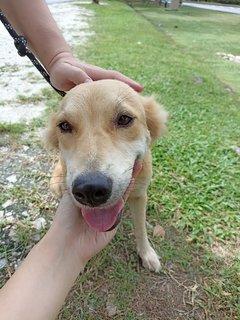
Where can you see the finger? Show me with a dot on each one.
(67, 204)
(108, 236)
(77, 76)
(66, 201)
(137, 168)
(97, 73)
(133, 84)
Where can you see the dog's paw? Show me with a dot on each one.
(150, 260)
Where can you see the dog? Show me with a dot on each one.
(103, 131)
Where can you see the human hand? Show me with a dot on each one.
(66, 72)
(70, 225)
(77, 235)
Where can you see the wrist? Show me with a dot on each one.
(61, 55)
(63, 244)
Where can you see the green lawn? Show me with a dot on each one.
(196, 186)
(195, 192)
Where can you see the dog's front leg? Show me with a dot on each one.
(148, 255)
(57, 182)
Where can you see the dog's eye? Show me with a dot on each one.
(124, 120)
(65, 127)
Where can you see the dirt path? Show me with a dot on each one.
(18, 76)
(228, 9)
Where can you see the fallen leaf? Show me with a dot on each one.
(111, 309)
(194, 288)
(226, 294)
(158, 231)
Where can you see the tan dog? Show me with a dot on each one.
(102, 131)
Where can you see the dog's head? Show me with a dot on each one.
(101, 130)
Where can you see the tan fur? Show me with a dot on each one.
(91, 109)
(156, 117)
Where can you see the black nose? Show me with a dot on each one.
(92, 189)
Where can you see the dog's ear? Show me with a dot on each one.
(50, 135)
(156, 117)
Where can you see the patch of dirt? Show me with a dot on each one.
(175, 295)
(227, 250)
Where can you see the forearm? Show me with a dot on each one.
(34, 20)
(38, 288)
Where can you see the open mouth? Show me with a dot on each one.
(106, 219)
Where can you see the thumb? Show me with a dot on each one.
(78, 76)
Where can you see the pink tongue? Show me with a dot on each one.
(102, 219)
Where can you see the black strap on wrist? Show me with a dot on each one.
(20, 43)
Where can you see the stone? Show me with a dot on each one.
(3, 263)
(8, 203)
(25, 214)
(39, 223)
(111, 309)
(10, 219)
(8, 214)
(12, 178)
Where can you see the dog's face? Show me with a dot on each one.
(101, 130)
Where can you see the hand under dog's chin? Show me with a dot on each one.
(102, 218)
(106, 216)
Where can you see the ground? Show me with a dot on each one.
(194, 196)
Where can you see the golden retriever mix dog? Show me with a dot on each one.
(102, 131)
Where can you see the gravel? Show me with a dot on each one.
(20, 78)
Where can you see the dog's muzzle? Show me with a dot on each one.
(93, 190)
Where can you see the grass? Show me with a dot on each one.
(198, 33)
(204, 169)
(14, 129)
(196, 185)
(196, 171)
(194, 194)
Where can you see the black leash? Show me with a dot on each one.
(20, 43)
